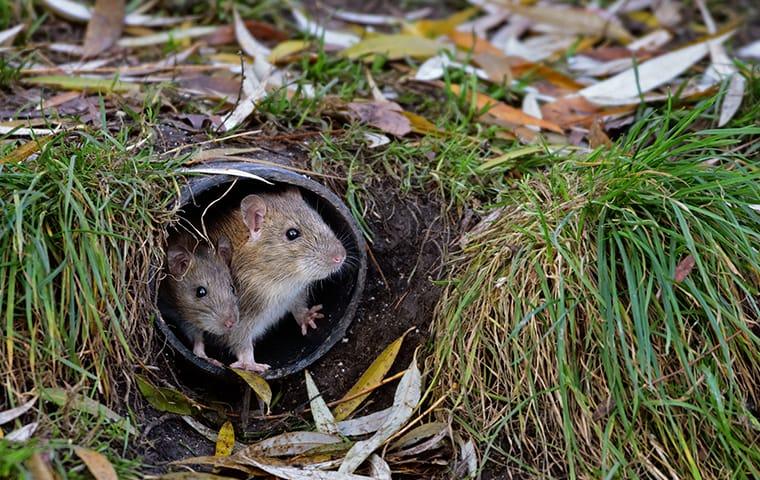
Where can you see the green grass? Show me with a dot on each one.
(81, 231)
(573, 350)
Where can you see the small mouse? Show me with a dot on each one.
(200, 286)
(280, 246)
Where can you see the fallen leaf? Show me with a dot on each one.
(497, 67)
(292, 473)
(467, 464)
(434, 67)
(7, 36)
(364, 425)
(374, 140)
(285, 50)
(387, 116)
(261, 67)
(257, 382)
(97, 464)
(253, 91)
(164, 399)
(530, 106)
(751, 50)
(78, 12)
(421, 124)
(329, 37)
(39, 467)
(104, 27)
(597, 137)
(470, 41)
(379, 468)
(431, 443)
(525, 68)
(62, 397)
(405, 402)
(24, 151)
(13, 413)
(22, 434)
(225, 440)
(394, 47)
(193, 476)
(683, 269)
(418, 434)
(510, 155)
(436, 28)
(506, 113)
(291, 443)
(323, 418)
(98, 85)
(649, 75)
(210, 435)
(732, 99)
(571, 20)
(371, 377)
(164, 37)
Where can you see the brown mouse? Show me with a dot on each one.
(199, 285)
(280, 246)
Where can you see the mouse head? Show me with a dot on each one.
(201, 283)
(292, 237)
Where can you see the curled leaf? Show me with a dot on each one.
(258, 384)
(291, 443)
(323, 418)
(13, 413)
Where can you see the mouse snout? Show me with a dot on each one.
(337, 255)
(230, 318)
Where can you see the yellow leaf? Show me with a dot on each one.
(435, 28)
(394, 47)
(371, 377)
(511, 155)
(22, 152)
(258, 384)
(100, 85)
(286, 49)
(99, 466)
(225, 440)
(421, 124)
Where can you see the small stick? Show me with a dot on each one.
(246, 407)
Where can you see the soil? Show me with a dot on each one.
(409, 237)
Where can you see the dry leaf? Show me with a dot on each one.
(651, 74)
(405, 402)
(165, 37)
(571, 20)
(13, 413)
(597, 137)
(97, 463)
(394, 47)
(371, 377)
(505, 113)
(436, 28)
(683, 269)
(291, 443)
(417, 434)
(287, 49)
(421, 124)
(732, 99)
(21, 153)
(469, 41)
(292, 473)
(7, 36)
(225, 440)
(467, 464)
(511, 155)
(330, 37)
(104, 27)
(253, 91)
(78, 12)
(89, 84)
(751, 50)
(379, 468)
(387, 116)
(364, 425)
(323, 418)
(39, 467)
(22, 434)
(257, 382)
(193, 476)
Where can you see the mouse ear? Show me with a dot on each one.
(178, 258)
(253, 209)
(224, 249)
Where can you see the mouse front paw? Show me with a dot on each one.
(251, 366)
(306, 317)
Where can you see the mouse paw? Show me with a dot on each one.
(306, 317)
(251, 366)
(214, 362)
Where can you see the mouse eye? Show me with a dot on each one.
(292, 234)
(200, 292)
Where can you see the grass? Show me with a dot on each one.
(573, 349)
(79, 238)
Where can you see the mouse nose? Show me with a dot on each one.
(338, 255)
(230, 319)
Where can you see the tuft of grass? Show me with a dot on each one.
(81, 231)
(569, 344)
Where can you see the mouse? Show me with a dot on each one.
(199, 285)
(280, 247)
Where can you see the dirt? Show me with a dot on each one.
(399, 295)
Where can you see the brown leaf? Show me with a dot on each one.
(497, 67)
(596, 135)
(683, 269)
(97, 463)
(39, 467)
(469, 41)
(510, 115)
(104, 27)
(22, 152)
(261, 30)
(387, 116)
